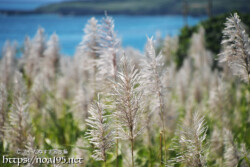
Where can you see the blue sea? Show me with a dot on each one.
(133, 30)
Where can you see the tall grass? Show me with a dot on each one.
(136, 109)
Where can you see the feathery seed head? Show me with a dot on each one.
(236, 48)
(127, 95)
(100, 133)
(191, 143)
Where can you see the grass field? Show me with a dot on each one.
(113, 107)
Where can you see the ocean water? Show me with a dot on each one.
(132, 30)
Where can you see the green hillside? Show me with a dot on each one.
(195, 7)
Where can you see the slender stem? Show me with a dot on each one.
(248, 79)
(161, 101)
(161, 148)
(104, 163)
(162, 116)
(132, 151)
(165, 148)
(149, 143)
(163, 132)
(117, 145)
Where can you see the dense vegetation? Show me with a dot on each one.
(213, 35)
(117, 107)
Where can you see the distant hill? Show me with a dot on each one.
(144, 7)
(138, 7)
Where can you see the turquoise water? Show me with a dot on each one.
(131, 29)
